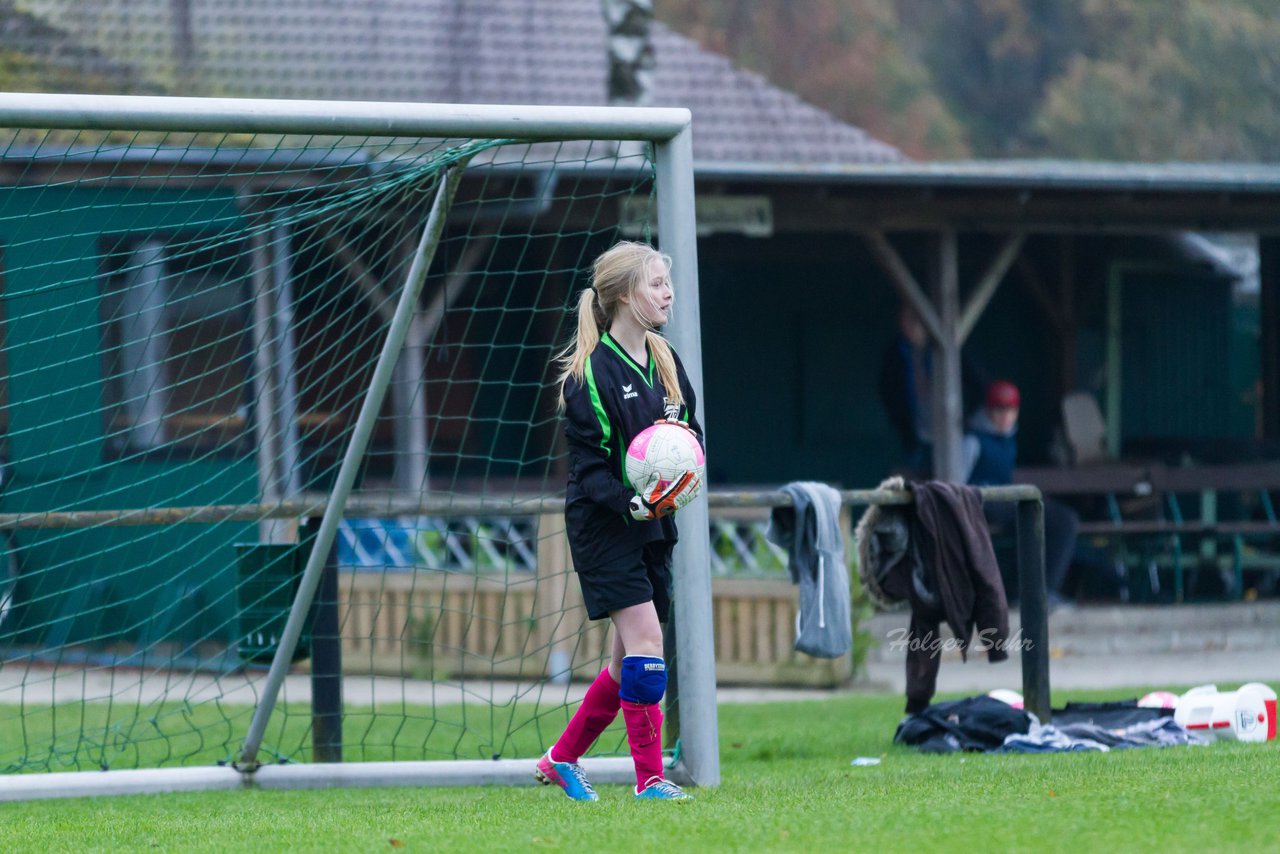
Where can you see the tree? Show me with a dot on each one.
(1180, 80)
(845, 56)
(38, 57)
(1122, 79)
(991, 61)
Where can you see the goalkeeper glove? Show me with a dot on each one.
(664, 502)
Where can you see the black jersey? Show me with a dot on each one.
(616, 399)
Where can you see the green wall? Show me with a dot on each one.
(53, 238)
(794, 328)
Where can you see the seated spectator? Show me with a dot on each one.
(990, 452)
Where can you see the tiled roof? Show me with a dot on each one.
(456, 51)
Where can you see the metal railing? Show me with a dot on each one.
(327, 669)
(1033, 593)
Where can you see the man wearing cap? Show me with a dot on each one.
(990, 451)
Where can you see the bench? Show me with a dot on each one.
(1162, 516)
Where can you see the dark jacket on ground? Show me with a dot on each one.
(975, 723)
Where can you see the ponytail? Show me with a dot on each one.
(573, 358)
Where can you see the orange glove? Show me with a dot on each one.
(663, 502)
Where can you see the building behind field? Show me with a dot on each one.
(776, 256)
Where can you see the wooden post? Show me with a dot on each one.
(948, 403)
(1114, 356)
(326, 663)
(552, 625)
(845, 671)
(1035, 608)
(987, 285)
(1068, 333)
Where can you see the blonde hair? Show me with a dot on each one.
(620, 271)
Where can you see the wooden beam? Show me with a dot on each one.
(1069, 334)
(378, 296)
(991, 279)
(948, 402)
(265, 413)
(1115, 352)
(453, 287)
(411, 469)
(900, 275)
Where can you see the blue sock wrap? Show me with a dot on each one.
(644, 679)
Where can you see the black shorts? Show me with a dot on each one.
(635, 578)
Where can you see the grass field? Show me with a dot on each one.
(788, 785)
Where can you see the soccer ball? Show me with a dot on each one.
(1159, 700)
(659, 456)
(1008, 696)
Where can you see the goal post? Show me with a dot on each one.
(224, 318)
(695, 641)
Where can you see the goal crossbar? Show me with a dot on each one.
(374, 118)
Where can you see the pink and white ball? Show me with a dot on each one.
(660, 455)
(1158, 700)
(1007, 696)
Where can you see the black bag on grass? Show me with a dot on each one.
(974, 723)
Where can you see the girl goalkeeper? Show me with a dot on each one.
(618, 377)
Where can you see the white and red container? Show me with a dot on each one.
(1245, 714)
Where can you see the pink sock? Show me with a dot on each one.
(644, 735)
(599, 708)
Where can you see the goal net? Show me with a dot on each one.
(283, 471)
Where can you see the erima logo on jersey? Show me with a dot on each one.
(628, 393)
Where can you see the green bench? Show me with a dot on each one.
(1184, 519)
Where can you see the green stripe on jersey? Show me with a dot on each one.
(605, 429)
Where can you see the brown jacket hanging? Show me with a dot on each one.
(947, 572)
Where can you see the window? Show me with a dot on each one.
(176, 353)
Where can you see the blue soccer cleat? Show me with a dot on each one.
(567, 775)
(658, 789)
